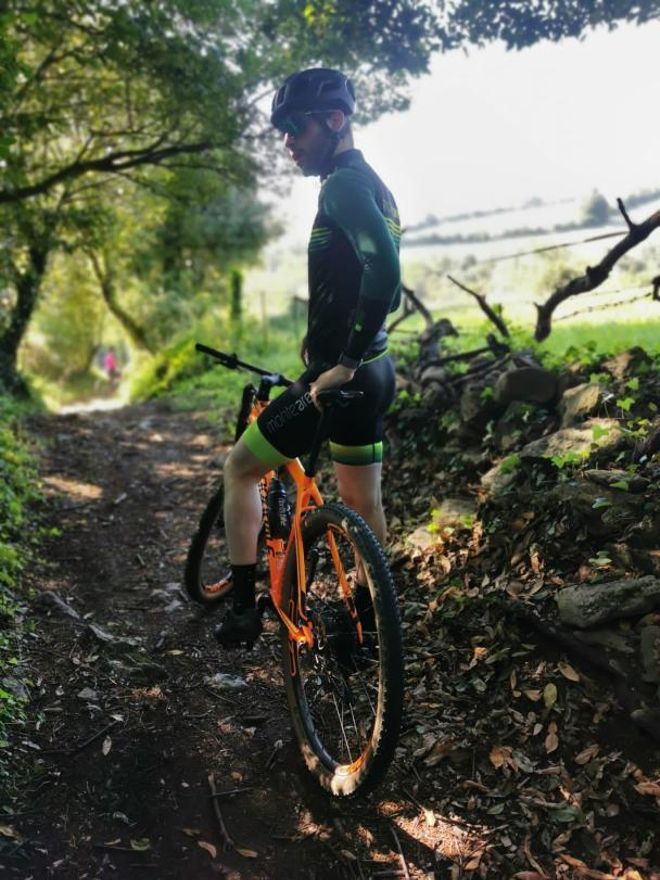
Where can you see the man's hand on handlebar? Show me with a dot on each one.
(332, 378)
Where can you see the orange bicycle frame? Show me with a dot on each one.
(307, 498)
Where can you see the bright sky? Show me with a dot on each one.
(494, 128)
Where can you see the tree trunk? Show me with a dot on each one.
(27, 286)
(236, 304)
(136, 333)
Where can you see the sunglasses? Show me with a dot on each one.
(294, 124)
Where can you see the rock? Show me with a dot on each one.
(422, 539)
(607, 638)
(527, 384)
(623, 365)
(647, 561)
(499, 479)
(596, 433)
(634, 483)
(579, 402)
(646, 533)
(478, 409)
(455, 511)
(433, 374)
(225, 681)
(605, 512)
(649, 648)
(585, 605)
(648, 720)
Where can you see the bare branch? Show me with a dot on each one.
(418, 304)
(490, 313)
(594, 275)
(113, 162)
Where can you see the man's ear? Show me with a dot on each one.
(336, 119)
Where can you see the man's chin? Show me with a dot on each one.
(309, 169)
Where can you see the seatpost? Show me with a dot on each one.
(322, 432)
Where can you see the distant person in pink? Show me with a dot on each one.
(110, 363)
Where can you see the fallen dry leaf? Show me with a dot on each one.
(532, 694)
(551, 740)
(569, 672)
(8, 831)
(587, 754)
(550, 695)
(650, 788)
(107, 745)
(440, 750)
(247, 853)
(142, 844)
(500, 755)
(210, 849)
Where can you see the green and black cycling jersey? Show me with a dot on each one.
(354, 276)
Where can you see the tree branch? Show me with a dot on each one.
(595, 275)
(118, 161)
(490, 313)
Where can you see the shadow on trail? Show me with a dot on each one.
(127, 723)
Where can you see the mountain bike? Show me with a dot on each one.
(342, 664)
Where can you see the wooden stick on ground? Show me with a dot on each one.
(227, 840)
(404, 866)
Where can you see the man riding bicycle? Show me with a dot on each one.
(354, 281)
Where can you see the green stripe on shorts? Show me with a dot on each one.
(369, 454)
(261, 448)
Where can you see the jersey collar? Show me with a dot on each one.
(344, 160)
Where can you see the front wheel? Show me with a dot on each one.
(207, 574)
(346, 692)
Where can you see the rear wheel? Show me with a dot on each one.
(207, 573)
(346, 692)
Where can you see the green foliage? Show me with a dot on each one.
(510, 463)
(18, 491)
(568, 459)
(522, 24)
(195, 381)
(625, 403)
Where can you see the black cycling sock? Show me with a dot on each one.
(243, 578)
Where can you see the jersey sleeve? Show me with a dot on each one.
(349, 200)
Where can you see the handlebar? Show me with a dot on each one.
(231, 362)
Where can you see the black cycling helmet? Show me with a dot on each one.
(316, 89)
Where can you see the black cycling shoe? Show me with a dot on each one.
(239, 628)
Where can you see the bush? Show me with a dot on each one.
(18, 492)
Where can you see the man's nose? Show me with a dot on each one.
(289, 140)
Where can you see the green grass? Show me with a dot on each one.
(563, 344)
(194, 381)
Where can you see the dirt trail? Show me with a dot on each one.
(127, 728)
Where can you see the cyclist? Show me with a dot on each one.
(354, 281)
